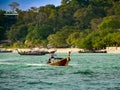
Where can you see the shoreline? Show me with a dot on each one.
(113, 50)
(65, 50)
(58, 50)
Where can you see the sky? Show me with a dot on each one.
(26, 4)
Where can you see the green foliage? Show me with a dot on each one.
(37, 34)
(71, 40)
(116, 38)
(112, 22)
(75, 39)
(17, 33)
(2, 31)
(94, 23)
(88, 24)
(112, 39)
(59, 38)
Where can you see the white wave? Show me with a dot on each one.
(7, 63)
(31, 64)
(74, 64)
(28, 64)
(36, 64)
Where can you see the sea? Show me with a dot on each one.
(86, 71)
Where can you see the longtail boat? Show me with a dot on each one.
(5, 51)
(32, 52)
(59, 61)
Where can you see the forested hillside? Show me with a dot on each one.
(88, 24)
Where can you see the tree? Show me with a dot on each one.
(2, 32)
(14, 6)
(116, 38)
(95, 22)
(38, 34)
(112, 22)
(41, 18)
(64, 2)
(59, 39)
(71, 40)
(17, 33)
(74, 39)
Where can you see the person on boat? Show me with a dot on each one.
(52, 57)
(68, 57)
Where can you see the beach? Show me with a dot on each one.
(66, 50)
(113, 49)
(58, 50)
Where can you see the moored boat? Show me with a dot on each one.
(93, 51)
(32, 52)
(5, 51)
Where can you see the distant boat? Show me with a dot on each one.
(5, 51)
(59, 61)
(93, 51)
(32, 52)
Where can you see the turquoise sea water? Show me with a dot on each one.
(98, 71)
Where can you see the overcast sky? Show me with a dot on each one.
(26, 4)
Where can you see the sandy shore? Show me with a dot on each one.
(58, 50)
(113, 49)
(66, 50)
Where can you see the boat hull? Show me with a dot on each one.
(31, 52)
(61, 62)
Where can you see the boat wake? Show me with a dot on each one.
(7, 63)
(31, 64)
(27, 64)
(74, 64)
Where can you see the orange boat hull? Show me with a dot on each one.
(61, 62)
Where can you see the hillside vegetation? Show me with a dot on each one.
(87, 24)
